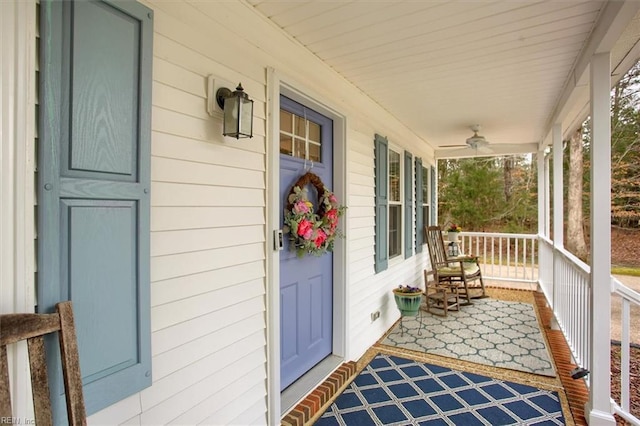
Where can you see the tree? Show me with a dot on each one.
(488, 193)
(508, 178)
(575, 221)
(625, 150)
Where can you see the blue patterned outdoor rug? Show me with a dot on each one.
(491, 332)
(398, 391)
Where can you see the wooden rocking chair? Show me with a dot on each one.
(463, 271)
(33, 328)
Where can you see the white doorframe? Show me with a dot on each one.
(278, 84)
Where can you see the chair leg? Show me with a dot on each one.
(467, 295)
(484, 291)
(434, 301)
(457, 300)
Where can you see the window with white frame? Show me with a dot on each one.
(395, 204)
(426, 196)
(394, 207)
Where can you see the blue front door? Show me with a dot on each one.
(306, 284)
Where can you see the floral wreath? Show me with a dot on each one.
(310, 231)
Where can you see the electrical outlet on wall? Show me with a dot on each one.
(375, 315)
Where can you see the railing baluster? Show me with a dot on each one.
(516, 255)
(500, 255)
(625, 352)
(493, 258)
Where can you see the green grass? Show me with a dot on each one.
(625, 270)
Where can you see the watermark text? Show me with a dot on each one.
(16, 421)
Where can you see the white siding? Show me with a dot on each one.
(209, 224)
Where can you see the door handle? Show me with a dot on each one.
(278, 240)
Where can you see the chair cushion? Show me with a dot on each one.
(449, 271)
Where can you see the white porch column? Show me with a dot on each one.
(547, 197)
(558, 207)
(599, 407)
(543, 215)
(543, 193)
(558, 185)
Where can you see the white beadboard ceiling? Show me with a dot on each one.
(442, 66)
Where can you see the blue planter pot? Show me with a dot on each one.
(408, 303)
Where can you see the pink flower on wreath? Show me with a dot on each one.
(332, 216)
(304, 229)
(301, 207)
(321, 238)
(333, 199)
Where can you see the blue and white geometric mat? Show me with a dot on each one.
(398, 391)
(492, 332)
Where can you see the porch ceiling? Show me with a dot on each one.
(441, 66)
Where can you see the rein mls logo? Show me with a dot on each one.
(17, 421)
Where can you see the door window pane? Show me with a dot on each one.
(300, 137)
(286, 121)
(286, 145)
(314, 132)
(300, 148)
(301, 126)
(314, 152)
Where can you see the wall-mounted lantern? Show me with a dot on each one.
(238, 112)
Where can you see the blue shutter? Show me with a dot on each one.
(419, 203)
(434, 188)
(381, 147)
(408, 205)
(93, 191)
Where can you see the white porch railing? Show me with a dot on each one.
(571, 301)
(628, 298)
(546, 274)
(504, 257)
(566, 287)
(565, 281)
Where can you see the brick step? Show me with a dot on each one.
(302, 413)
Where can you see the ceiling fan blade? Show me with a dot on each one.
(453, 146)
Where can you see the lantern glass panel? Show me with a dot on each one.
(231, 116)
(246, 118)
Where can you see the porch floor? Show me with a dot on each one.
(573, 393)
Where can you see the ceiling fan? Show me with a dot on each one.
(476, 142)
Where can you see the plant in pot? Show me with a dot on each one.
(408, 299)
(453, 231)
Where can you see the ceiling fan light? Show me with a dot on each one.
(476, 140)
